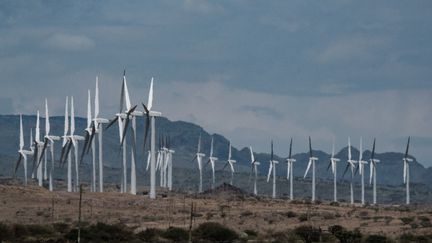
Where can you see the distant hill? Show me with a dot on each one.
(184, 137)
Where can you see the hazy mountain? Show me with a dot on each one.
(184, 138)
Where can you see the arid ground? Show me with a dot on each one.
(227, 205)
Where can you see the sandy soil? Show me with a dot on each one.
(35, 205)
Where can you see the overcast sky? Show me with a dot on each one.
(250, 70)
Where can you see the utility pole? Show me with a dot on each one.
(191, 222)
(79, 215)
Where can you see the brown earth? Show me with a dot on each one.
(226, 204)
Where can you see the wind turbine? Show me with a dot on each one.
(49, 141)
(212, 160)
(352, 165)
(151, 117)
(168, 163)
(37, 154)
(198, 157)
(90, 131)
(66, 147)
(312, 160)
(333, 165)
(372, 164)
(22, 153)
(231, 163)
(254, 166)
(272, 170)
(360, 168)
(98, 124)
(73, 141)
(290, 170)
(123, 118)
(406, 175)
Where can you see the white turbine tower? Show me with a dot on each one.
(231, 163)
(151, 119)
(254, 169)
(66, 146)
(22, 153)
(372, 173)
(406, 172)
(212, 160)
(98, 123)
(72, 141)
(272, 170)
(311, 163)
(49, 141)
(333, 165)
(198, 157)
(360, 168)
(38, 149)
(290, 170)
(168, 163)
(352, 165)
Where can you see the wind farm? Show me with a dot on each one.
(215, 121)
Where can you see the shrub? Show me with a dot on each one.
(335, 204)
(149, 235)
(246, 213)
(344, 235)
(302, 217)
(407, 220)
(176, 234)
(424, 221)
(251, 233)
(214, 232)
(308, 233)
(5, 232)
(376, 239)
(101, 232)
(290, 214)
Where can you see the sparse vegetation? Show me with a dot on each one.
(212, 231)
(176, 234)
(407, 220)
(344, 235)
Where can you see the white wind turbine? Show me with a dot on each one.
(168, 164)
(372, 173)
(66, 146)
(312, 160)
(212, 160)
(254, 167)
(352, 165)
(333, 165)
(231, 163)
(23, 153)
(72, 141)
(198, 157)
(406, 173)
(290, 170)
(98, 123)
(37, 154)
(360, 168)
(272, 170)
(49, 141)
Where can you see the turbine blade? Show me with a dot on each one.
(150, 97)
(147, 126)
(17, 164)
(43, 150)
(328, 167)
(86, 142)
(252, 155)
(407, 148)
(47, 121)
(271, 154)
(357, 168)
(93, 133)
(270, 170)
(345, 171)
(372, 164)
(21, 142)
(122, 93)
(310, 147)
(307, 169)
(290, 149)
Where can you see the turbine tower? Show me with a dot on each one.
(272, 170)
(198, 157)
(312, 160)
(333, 165)
(168, 163)
(231, 163)
(151, 119)
(66, 147)
(38, 148)
(49, 141)
(212, 160)
(360, 169)
(352, 165)
(406, 174)
(372, 173)
(290, 170)
(254, 167)
(98, 124)
(22, 153)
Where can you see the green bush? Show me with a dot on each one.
(302, 217)
(407, 220)
(308, 233)
(176, 234)
(101, 232)
(251, 233)
(344, 235)
(290, 214)
(214, 232)
(377, 239)
(6, 232)
(149, 235)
